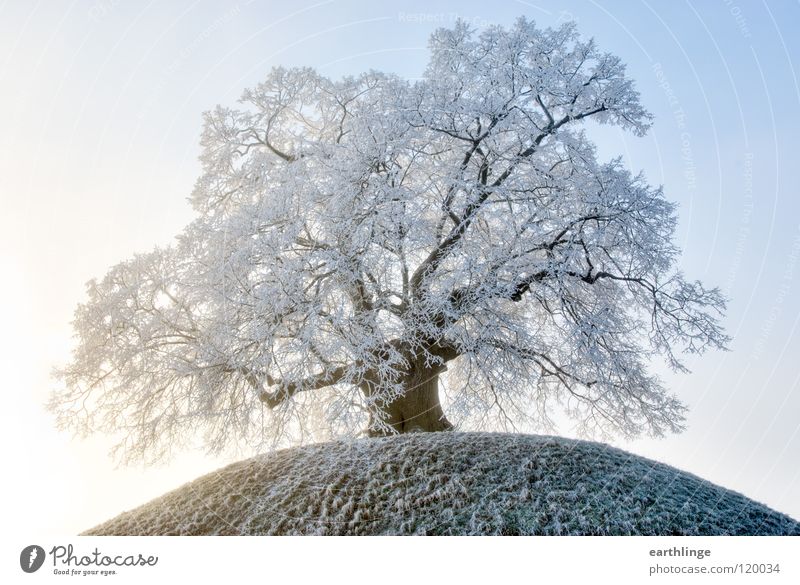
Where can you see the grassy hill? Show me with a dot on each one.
(450, 483)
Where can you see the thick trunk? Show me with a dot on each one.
(418, 410)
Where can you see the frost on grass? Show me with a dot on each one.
(451, 483)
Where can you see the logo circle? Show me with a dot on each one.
(31, 558)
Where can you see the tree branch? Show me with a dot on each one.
(287, 390)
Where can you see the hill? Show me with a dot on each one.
(450, 483)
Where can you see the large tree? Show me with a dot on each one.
(356, 238)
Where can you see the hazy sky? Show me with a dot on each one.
(101, 103)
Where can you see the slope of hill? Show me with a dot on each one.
(450, 483)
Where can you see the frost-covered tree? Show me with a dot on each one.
(357, 238)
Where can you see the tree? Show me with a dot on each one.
(355, 239)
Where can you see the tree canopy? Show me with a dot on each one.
(360, 242)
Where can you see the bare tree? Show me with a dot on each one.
(356, 239)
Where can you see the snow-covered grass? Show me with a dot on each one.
(451, 483)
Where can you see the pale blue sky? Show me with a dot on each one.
(101, 104)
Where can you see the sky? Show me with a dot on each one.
(101, 103)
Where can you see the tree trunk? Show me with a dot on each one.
(418, 410)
